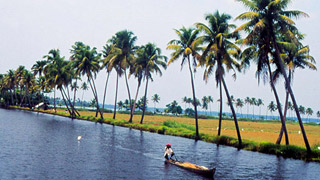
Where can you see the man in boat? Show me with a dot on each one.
(168, 152)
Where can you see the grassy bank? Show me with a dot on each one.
(257, 136)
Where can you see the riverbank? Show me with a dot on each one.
(257, 136)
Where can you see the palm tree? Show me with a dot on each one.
(253, 102)
(86, 61)
(302, 110)
(318, 114)
(259, 103)
(38, 67)
(84, 87)
(155, 98)
(220, 52)
(247, 102)
(58, 74)
(210, 100)
(185, 100)
(105, 52)
(185, 46)
(272, 107)
(239, 104)
(309, 112)
(296, 56)
(120, 57)
(268, 20)
(204, 102)
(150, 58)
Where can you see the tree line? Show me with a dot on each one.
(271, 41)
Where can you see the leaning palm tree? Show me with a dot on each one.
(150, 58)
(295, 56)
(137, 70)
(184, 47)
(268, 19)
(86, 60)
(220, 53)
(120, 57)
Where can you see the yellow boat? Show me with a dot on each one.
(193, 167)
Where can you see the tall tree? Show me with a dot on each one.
(220, 52)
(185, 47)
(86, 61)
(150, 58)
(269, 19)
(84, 87)
(155, 99)
(120, 57)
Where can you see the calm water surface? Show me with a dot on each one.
(39, 146)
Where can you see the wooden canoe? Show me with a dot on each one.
(193, 167)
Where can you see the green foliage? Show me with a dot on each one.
(174, 124)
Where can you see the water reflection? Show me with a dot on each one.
(38, 146)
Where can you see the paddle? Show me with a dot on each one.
(175, 157)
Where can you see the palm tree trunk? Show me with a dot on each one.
(65, 100)
(291, 93)
(125, 74)
(74, 97)
(194, 100)
(135, 101)
(278, 104)
(145, 98)
(115, 100)
(233, 112)
(54, 99)
(11, 94)
(220, 113)
(94, 90)
(285, 112)
(105, 91)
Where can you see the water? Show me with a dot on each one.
(39, 146)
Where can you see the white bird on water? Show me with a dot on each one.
(79, 138)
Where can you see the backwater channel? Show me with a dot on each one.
(41, 146)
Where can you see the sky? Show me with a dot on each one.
(29, 29)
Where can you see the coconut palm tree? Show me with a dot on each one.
(137, 71)
(220, 52)
(318, 114)
(210, 100)
(120, 57)
(204, 102)
(58, 74)
(155, 99)
(86, 61)
(184, 47)
(253, 102)
(185, 100)
(84, 87)
(302, 110)
(247, 102)
(150, 58)
(105, 52)
(259, 104)
(272, 107)
(268, 20)
(309, 112)
(239, 104)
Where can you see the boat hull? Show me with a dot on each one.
(193, 168)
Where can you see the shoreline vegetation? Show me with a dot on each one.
(183, 127)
